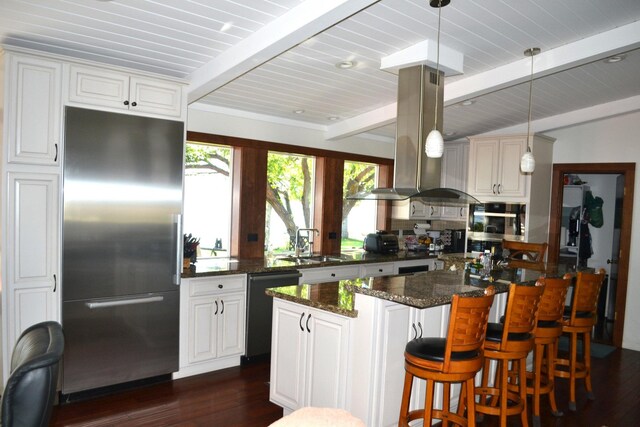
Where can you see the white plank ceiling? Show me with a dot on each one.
(273, 57)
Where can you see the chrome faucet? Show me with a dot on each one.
(309, 231)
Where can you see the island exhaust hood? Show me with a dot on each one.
(415, 175)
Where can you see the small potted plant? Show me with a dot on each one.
(190, 250)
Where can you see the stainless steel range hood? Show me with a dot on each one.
(415, 175)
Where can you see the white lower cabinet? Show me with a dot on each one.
(308, 357)
(212, 323)
(380, 333)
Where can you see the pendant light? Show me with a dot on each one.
(528, 162)
(434, 145)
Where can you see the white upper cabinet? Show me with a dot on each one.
(113, 89)
(494, 168)
(33, 110)
(455, 164)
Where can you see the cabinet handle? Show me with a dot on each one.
(499, 188)
(222, 303)
(333, 274)
(431, 210)
(134, 103)
(413, 209)
(55, 283)
(55, 158)
(415, 331)
(420, 325)
(308, 318)
(380, 270)
(220, 286)
(493, 189)
(216, 308)
(126, 102)
(461, 211)
(301, 317)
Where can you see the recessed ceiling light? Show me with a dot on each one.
(614, 59)
(333, 118)
(298, 111)
(449, 133)
(468, 102)
(226, 26)
(345, 65)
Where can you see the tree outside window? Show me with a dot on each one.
(207, 197)
(290, 181)
(358, 216)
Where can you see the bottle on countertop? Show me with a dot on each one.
(486, 262)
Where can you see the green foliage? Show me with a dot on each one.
(210, 158)
(285, 174)
(358, 177)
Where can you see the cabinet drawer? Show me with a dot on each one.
(329, 274)
(372, 270)
(216, 285)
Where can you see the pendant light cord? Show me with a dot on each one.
(530, 93)
(435, 118)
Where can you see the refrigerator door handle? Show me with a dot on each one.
(177, 219)
(120, 302)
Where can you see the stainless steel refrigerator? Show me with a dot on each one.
(121, 251)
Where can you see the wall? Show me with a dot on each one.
(610, 140)
(286, 132)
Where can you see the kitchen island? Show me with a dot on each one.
(341, 344)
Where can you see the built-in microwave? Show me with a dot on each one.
(489, 223)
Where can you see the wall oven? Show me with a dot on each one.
(489, 223)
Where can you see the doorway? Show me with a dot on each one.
(625, 173)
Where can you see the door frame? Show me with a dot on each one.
(628, 170)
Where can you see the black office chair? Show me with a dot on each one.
(29, 396)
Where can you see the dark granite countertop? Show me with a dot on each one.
(420, 290)
(222, 266)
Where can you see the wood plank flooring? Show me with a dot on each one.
(240, 397)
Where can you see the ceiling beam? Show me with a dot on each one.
(297, 25)
(568, 56)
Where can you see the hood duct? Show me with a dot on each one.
(415, 175)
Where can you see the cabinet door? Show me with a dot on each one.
(327, 346)
(288, 355)
(32, 239)
(483, 167)
(155, 96)
(231, 319)
(98, 87)
(511, 182)
(388, 388)
(33, 108)
(203, 328)
(418, 210)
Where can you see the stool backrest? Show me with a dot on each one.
(553, 298)
(467, 324)
(585, 294)
(534, 253)
(521, 316)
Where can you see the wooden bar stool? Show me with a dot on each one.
(548, 332)
(454, 359)
(525, 254)
(579, 320)
(506, 342)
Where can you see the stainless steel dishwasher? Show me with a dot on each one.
(259, 310)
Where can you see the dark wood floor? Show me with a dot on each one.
(240, 397)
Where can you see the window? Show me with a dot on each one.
(290, 183)
(207, 197)
(358, 218)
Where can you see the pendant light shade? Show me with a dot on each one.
(528, 162)
(434, 144)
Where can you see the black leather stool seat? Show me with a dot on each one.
(579, 314)
(433, 349)
(494, 333)
(549, 324)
